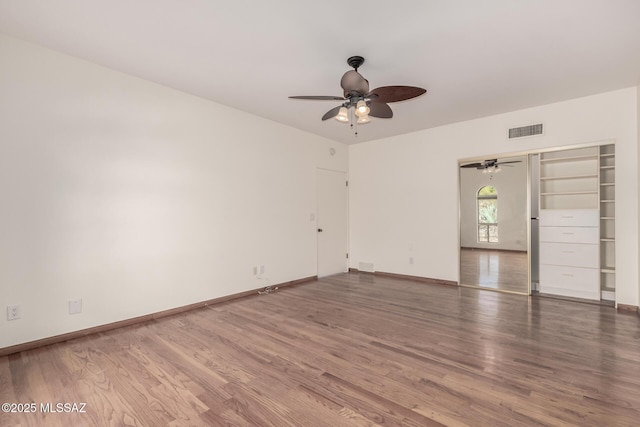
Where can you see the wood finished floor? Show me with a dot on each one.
(491, 269)
(351, 349)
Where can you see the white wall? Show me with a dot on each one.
(638, 163)
(403, 190)
(138, 198)
(511, 185)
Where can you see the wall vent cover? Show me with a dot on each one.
(366, 267)
(530, 130)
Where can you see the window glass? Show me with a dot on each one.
(488, 214)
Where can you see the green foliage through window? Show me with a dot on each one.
(488, 214)
(488, 190)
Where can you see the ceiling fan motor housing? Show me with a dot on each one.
(354, 84)
(355, 62)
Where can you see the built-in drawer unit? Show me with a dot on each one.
(570, 281)
(570, 252)
(569, 217)
(570, 235)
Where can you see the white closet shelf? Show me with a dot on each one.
(605, 184)
(608, 270)
(607, 239)
(607, 201)
(607, 155)
(570, 158)
(553, 178)
(568, 193)
(607, 167)
(607, 217)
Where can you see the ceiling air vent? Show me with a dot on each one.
(525, 131)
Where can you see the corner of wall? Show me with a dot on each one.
(332, 155)
(638, 163)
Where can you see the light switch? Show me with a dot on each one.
(75, 307)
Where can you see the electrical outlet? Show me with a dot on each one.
(262, 269)
(255, 271)
(13, 312)
(410, 260)
(75, 306)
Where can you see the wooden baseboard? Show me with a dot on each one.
(573, 299)
(428, 280)
(628, 308)
(140, 319)
(355, 270)
(492, 249)
(422, 279)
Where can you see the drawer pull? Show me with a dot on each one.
(567, 252)
(567, 216)
(569, 233)
(567, 274)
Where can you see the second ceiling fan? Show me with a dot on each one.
(366, 103)
(489, 164)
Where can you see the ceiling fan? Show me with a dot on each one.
(490, 165)
(365, 103)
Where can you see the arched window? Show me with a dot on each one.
(488, 214)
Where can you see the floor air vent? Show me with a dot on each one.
(525, 131)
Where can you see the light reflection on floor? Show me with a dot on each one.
(504, 270)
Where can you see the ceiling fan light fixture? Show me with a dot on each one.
(363, 120)
(365, 103)
(343, 115)
(362, 109)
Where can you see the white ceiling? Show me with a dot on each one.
(475, 58)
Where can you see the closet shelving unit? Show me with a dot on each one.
(607, 221)
(570, 239)
(569, 181)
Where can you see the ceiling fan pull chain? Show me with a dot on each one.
(352, 120)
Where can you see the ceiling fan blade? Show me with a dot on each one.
(380, 110)
(473, 165)
(352, 81)
(513, 161)
(331, 113)
(397, 93)
(319, 98)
